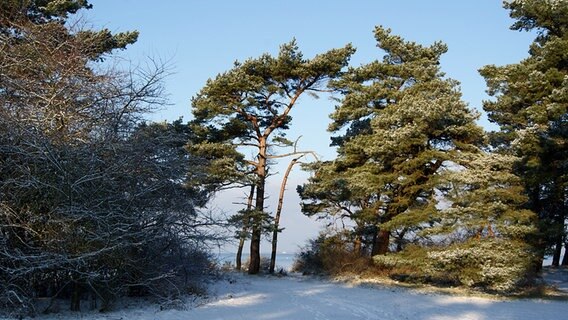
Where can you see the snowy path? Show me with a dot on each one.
(557, 277)
(270, 298)
(301, 298)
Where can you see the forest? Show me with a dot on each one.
(99, 203)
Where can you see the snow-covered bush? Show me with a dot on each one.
(411, 256)
(488, 264)
(330, 253)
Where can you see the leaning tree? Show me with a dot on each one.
(247, 110)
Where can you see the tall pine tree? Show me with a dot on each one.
(405, 123)
(530, 107)
(247, 110)
(411, 165)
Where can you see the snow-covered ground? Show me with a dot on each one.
(556, 277)
(295, 297)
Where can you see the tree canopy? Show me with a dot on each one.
(405, 124)
(530, 107)
(411, 165)
(249, 106)
(92, 200)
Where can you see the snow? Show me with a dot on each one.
(556, 277)
(295, 297)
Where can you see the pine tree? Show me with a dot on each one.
(405, 124)
(481, 216)
(247, 109)
(329, 194)
(530, 107)
(412, 165)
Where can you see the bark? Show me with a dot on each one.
(76, 297)
(278, 212)
(559, 220)
(357, 247)
(400, 241)
(254, 261)
(244, 231)
(557, 252)
(565, 259)
(381, 242)
(238, 262)
(92, 299)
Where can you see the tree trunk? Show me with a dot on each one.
(254, 261)
(557, 252)
(238, 262)
(75, 297)
(92, 299)
(238, 259)
(565, 259)
(559, 220)
(400, 241)
(381, 242)
(277, 216)
(357, 247)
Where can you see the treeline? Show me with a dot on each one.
(429, 194)
(421, 187)
(94, 203)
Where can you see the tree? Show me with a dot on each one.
(91, 200)
(405, 124)
(244, 222)
(412, 164)
(249, 107)
(328, 194)
(276, 226)
(39, 11)
(484, 214)
(530, 107)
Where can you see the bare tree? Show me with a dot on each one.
(276, 224)
(91, 199)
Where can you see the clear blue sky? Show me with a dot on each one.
(204, 38)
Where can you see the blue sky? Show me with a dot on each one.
(204, 38)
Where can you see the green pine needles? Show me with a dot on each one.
(413, 173)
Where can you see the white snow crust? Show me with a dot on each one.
(295, 297)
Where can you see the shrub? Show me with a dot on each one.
(489, 264)
(330, 255)
(265, 266)
(492, 265)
